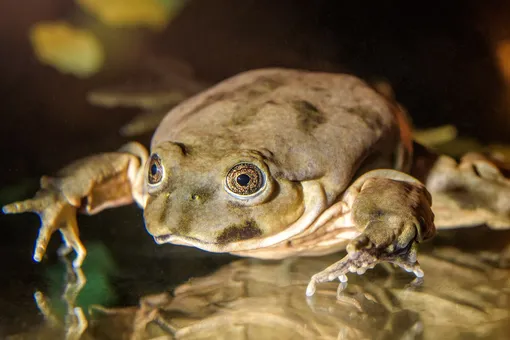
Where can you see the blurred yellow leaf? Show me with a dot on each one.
(435, 136)
(67, 48)
(150, 13)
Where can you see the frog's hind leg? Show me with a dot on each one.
(474, 191)
(392, 212)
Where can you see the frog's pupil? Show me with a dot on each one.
(154, 169)
(243, 180)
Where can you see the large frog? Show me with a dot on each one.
(276, 163)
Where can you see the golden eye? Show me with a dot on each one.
(245, 179)
(155, 170)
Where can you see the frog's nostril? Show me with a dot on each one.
(195, 198)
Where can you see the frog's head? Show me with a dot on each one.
(222, 201)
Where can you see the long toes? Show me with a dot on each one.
(312, 287)
(81, 253)
(40, 249)
(410, 267)
(338, 270)
(18, 207)
(341, 287)
(327, 275)
(360, 242)
(45, 232)
(418, 272)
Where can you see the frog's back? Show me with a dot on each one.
(312, 125)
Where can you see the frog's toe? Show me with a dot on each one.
(388, 243)
(71, 238)
(43, 238)
(383, 239)
(17, 207)
(35, 204)
(360, 242)
(354, 263)
(55, 214)
(408, 261)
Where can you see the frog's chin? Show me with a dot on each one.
(315, 204)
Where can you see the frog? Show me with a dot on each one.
(279, 163)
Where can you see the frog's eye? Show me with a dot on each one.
(155, 170)
(245, 179)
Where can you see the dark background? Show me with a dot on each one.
(439, 56)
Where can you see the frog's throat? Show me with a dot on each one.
(315, 215)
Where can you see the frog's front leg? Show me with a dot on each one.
(392, 212)
(88, 185)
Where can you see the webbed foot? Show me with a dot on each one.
(55, 214)
(393, 216)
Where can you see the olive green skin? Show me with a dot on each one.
(295, 126)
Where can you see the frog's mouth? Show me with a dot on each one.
(315, 204)
(174, 239)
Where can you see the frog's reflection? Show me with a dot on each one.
(463, 294)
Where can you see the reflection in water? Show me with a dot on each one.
(463, 295)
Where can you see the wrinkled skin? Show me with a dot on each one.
(276, 163)
(249, 299)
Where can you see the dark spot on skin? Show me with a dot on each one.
(248, 114)
(238, 232)
(244, 117)
(254, 93)
(371, 119)
(377, 214)
(254, 89)
(257, 88)
(319, 89)
(184, 148)
(309, 116)
(242, 94)
(209, 101)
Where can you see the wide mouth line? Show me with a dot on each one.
(162, 238)
(168, 238)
